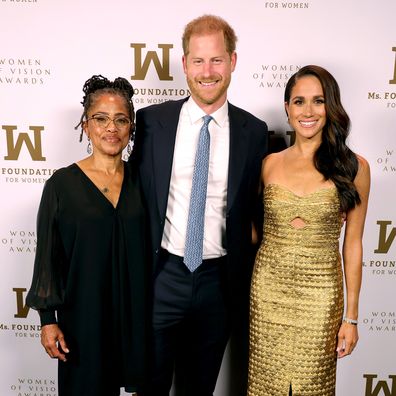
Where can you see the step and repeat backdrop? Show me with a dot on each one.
(48, 49)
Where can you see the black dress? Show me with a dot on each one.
(90, 269)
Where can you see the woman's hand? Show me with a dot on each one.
(50, 335)
(347, 339)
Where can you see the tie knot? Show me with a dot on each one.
(207, 119)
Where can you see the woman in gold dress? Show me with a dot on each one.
(310, 189)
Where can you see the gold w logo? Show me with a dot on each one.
(14, 148)
(372, 390)
(385, 242)
(141, 67)
(22, 308)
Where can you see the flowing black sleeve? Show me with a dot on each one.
(46, 293)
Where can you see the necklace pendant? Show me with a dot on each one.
(105, 190)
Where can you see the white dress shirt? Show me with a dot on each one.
(190, 123)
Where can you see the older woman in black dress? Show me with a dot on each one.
(89, 272)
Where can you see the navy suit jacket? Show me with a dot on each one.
(156, 128)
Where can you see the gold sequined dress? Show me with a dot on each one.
(296, 296)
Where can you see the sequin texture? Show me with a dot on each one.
(296, 295)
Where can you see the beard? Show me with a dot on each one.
(208, 95)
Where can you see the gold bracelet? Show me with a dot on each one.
(350, 321)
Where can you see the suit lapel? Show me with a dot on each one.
(164, 144)
(163, 148)
(238, 153)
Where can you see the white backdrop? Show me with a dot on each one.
(49, 48)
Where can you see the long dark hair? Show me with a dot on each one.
(98, 85)
(333, 158)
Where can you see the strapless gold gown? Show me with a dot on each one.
(296, 295)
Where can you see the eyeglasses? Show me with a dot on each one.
(103, 121)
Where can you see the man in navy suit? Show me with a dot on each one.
(195, 310)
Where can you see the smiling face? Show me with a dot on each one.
(306, 108)
(107, 140)
(208, 67)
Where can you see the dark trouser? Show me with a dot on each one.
(190, 327)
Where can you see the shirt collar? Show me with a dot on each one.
(195, 113)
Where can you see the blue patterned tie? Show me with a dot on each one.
(196, 215)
